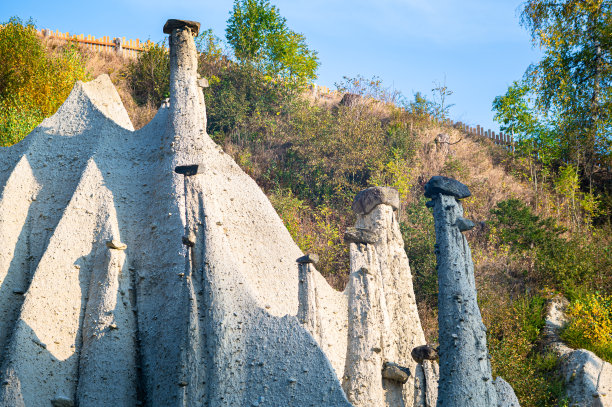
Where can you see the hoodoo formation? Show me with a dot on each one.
(465, 370)
(146, 268)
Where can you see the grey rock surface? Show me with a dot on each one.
(588, 378)
(465, 370)
(366, 200)
(446, 186)
(505, 394)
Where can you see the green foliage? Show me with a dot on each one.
(259, 36)
(520, 228)
(512, 339)
(34, 81)
(571, 263)
(590, 324)
(419, 239)
(149, 75)
(572, 84)
(239, 98)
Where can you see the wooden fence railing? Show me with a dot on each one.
(500, 139)
(121, 46)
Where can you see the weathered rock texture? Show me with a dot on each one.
(148, 318)
(383, 322)
(144, 267)
(588, 379)
(465, 370)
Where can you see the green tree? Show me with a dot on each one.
(573, 81)
(259, 36)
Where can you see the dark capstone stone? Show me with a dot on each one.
(369, 198)
(395, 372)
(446, 186)
(188, 170)
(423, 352)
(173, 24)
(354, 235)
(308, 258)
(464, 224)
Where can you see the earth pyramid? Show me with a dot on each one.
(146, 268)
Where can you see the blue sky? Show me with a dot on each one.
(476, 47)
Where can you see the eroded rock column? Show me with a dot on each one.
(465, 370)
(384, 324)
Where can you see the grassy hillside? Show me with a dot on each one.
(312, 153)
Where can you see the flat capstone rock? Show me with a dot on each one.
(446, 186)
(365, 201)
(173, 24)
(308, 258)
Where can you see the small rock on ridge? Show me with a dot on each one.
(446, 186)
(173, 24)
(365, 201)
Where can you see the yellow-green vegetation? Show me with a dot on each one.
(590, 324)
(34, 79)
(514, 329)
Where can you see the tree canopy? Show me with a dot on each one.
(259, 36)
(568, 92)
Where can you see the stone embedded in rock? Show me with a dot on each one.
(172, 24)
(395, 372)
(464, 224)
(424, 352)
(116, 244)
(355, 235)
(369, 198)
(446, 186)
(308, 258)
(188, 170)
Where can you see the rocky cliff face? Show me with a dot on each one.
(144, 267)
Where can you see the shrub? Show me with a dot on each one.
(512, 339)
(34, 81)
(149, 75)
(590, 324)
(419, 239)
